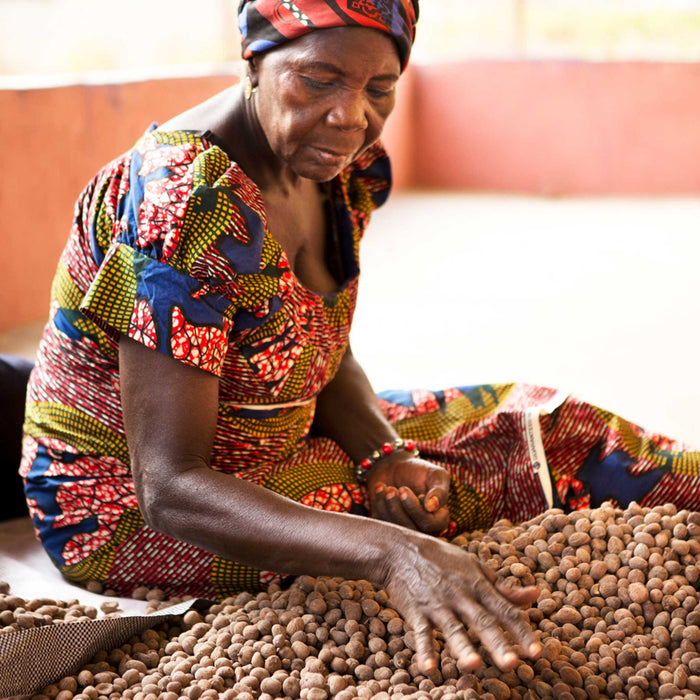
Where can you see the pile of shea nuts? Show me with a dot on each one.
(618, 616)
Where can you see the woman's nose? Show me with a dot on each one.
(349, 111)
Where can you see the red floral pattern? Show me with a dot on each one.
(142, 327)
(338, 498)
(201, 346)
(165, 199)
(109, 497)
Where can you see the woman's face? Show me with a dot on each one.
(323, 98)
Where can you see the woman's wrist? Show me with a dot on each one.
(397, 542)
(398, 446)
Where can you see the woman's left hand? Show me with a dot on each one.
(410, 491)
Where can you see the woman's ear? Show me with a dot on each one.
(252, 71)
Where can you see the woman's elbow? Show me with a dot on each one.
(171, 498)
(159, 504)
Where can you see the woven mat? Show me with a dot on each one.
(33, 658)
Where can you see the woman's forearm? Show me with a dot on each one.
(171, 432)
(241, 521)
(347, 411)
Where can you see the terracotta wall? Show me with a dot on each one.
(536, 128)
(559, 128)
(53, 141)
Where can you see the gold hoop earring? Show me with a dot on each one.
(248, 88)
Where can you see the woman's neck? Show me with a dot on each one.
(251, 151)
(233, 120)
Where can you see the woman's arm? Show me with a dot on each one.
(403, 489)
(170, 413)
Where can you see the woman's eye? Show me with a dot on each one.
(317, 84)
(376, 92)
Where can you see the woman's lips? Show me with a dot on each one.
(330, 155)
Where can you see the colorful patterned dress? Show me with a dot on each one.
(170, 246)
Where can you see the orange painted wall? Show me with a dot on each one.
(54, 140)
(560, 128)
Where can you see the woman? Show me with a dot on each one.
(199, 332)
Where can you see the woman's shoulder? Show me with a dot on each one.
(184, 188)
(175, 194)
(200, 158)
(162, 153)
(160, 156)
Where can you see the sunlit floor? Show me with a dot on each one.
(600, 297)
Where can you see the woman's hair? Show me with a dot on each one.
(266, 24)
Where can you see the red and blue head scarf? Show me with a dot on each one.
(267, 24)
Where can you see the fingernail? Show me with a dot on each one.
(535, 649)
(432, 504)
(403, 492)
(391, 492)
(379, 488)
(427, 663)
(468, 661)
(509, 659)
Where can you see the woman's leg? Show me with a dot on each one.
(514, 449)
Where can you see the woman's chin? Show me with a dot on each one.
(322, 166)
(319, 174)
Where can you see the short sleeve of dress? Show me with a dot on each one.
(188, 249)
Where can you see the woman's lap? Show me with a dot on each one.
(485, 436)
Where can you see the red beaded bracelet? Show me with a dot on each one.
(384, 451)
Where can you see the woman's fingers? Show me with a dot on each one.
(457, 641)
(431, 522)
(403, 507)
(488, 614)
(487, 627)
(437, 490)
(425, 644)
(507, 609)
(386, 505)
(518, 595)
(434, 500)
(378, 503)
(396, 510)
(506, 606)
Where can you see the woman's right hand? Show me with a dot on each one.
(440, 586)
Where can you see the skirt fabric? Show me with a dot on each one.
(512, 451)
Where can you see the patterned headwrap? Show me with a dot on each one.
(266, 24)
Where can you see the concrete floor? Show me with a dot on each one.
(600, 297)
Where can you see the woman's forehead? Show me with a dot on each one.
(341, 47)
